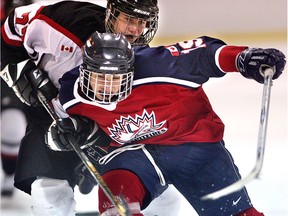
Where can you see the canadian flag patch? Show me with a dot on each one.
(66, 48)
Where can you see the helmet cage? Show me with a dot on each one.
(106, 74)
(105, 88)
(150, 17)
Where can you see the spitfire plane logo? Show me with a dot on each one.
(129, 129)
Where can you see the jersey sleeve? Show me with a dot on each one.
(226, 57)
(13, 31)
(194, 61)
(209, 57)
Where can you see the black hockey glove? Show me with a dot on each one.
(84, 131)
(252, 62)
(26, 79)
(80, 128)
(83, 177)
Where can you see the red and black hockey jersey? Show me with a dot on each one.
(50, 34)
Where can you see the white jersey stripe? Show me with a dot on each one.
(165, 80)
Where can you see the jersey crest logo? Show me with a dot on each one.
(129, 129)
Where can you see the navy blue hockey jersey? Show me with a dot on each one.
(167, 105)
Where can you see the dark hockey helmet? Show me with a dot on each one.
(106, 74)
(143, 12)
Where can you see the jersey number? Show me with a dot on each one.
(23, 20)
(186, 47)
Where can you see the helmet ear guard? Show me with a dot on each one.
(106, 74)
(146, 10)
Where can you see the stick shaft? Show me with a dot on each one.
(255, 172)
(123, 210)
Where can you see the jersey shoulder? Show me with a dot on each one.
(79, 18)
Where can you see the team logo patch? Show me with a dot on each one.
(66, 48)
(129, 129)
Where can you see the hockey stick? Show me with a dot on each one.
(122, 207)
(255, 172)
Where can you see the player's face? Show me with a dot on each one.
(105, 86)
(131, 27)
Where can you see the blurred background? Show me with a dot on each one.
(255, 23)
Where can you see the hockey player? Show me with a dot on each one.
(163, 127)
(11, 111)
(41, 41)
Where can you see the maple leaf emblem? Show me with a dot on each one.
(129, 129)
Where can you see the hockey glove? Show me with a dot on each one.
(84, 131)
(26, 79)
(253, 61)
(83, 177)
(80, 128)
